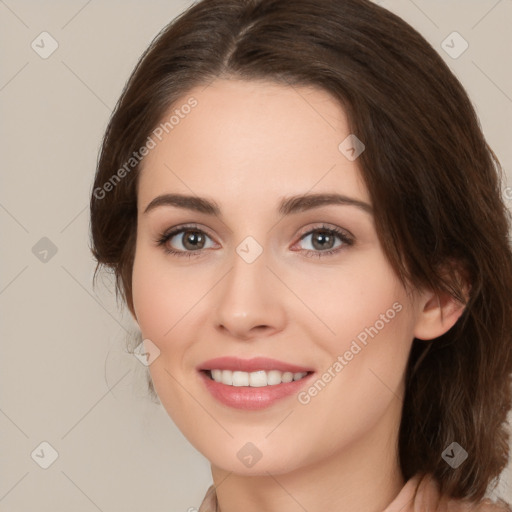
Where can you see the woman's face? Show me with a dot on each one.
(264, 277)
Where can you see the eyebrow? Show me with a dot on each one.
(288, 205)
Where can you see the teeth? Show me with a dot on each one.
(256, 379)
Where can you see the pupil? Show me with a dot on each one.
(324, 238)
(193, 239)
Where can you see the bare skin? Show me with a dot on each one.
(247, 146)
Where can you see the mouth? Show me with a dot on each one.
(257, 379)
(254, 383)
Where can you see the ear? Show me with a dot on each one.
(439, 311)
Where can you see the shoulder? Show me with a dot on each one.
(428, 498)
(420, 494)
(209, 503)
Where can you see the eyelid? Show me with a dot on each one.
(328, 227)
(304, 231)
(346, 238)
(179, 228)
(344, 235)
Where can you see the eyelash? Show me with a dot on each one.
(165, 237)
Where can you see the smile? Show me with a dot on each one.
(257, 379)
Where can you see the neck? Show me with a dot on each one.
(363, 476)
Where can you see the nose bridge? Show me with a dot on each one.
(246, 282)
(248, 266)
(248, 297)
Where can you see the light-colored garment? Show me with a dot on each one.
(419, 494)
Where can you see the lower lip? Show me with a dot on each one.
(252, 398)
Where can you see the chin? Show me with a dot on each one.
(277, 464)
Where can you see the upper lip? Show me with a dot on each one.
(250, 365)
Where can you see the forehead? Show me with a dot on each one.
(250, 140)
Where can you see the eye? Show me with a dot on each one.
(323, 241)
(191, 241)
(186, 240)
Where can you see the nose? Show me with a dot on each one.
(250, 300)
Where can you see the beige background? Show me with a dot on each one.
(64, 376)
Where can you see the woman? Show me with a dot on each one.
(306, 223)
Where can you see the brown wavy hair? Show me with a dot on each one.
(434, 183)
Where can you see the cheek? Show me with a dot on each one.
(160, 302)
(162, 294)
(354, 297)
(149, 298)
(361, 384)
(371, 322)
